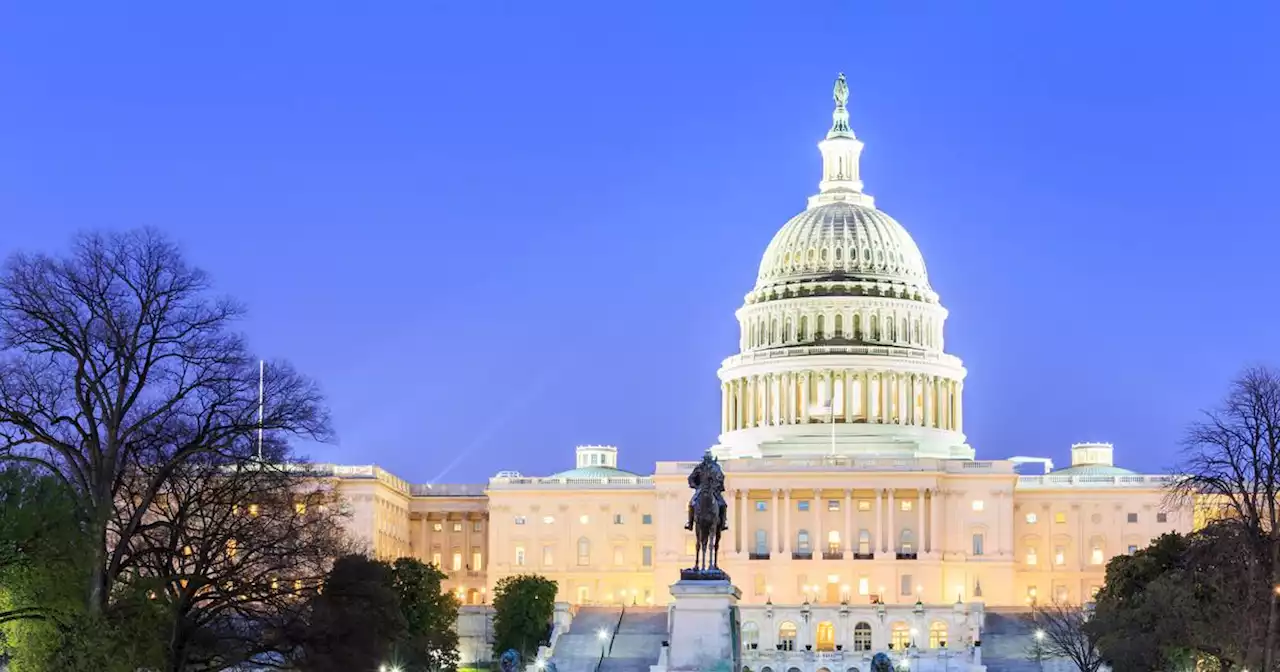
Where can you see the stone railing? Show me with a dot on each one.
(1085, 481)
(869, 464)
(447, 490)
(609, 483)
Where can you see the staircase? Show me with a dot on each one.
(631, 645)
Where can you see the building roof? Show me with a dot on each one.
(1094, 470)
(594, 472)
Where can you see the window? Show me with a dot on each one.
(862, 637)
(1133, 518)
(457, 527)
(1132, 549)
(300, 508)
(762, 542)
(1060, 517)
(617, 519)
(833, 542)
(548, 555)
(646, 519)
(477, 560)
(1162, 517)
(1093, 591)
(1031, 556)
(584, 519)
(937, 635)
(977, 543)
(802, 541)
(864, 505)
(864, 542)
(519, 556)
(826, 639)
(457, 560)
(900, 638)
(477, 526)
(787, 636)
(979, 505)
(584, 551)
(437, 560)
(519, 520)
(833, 505)
(253, 509)
(1096, 556)
(1031, 519)
(762, 505)
(547, 520)
(905, 504)
(760, 584)
(750, 633)
(619, 555)
(646, 556)
(437, 527)
(1059, 555)
(907, 542)
(802, 505)
(1060, 594)
(864, 585)
(906, 585)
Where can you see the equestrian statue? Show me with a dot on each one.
(708, 517)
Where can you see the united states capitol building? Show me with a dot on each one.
(859, 514)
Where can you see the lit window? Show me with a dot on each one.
(1031, 519)
(978, 505)
(864, 505)
(760, 584)
(1031, 556)
(439, 527)
(584, 519)
(1133, 518)
(300, 508)
(1060, 517)
(803, 505)
(864, 585)
(1093, 590)
(457, 561)
(1060, 594)
(1059, 555)
(937, 635)
(548, 556)
(519, 556)
(762, 505)
(905, 504)
(253, 509)
(833, 505)
(1096, 556)
(519, 520)
(547, 520)
(646, 519)
(477, 560)
(617, 519)
(901, 637)
(1162, 517)
(186, 550)
(231, 547)
(437, 560)
(457, 527)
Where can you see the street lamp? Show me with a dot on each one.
(602, 635)
(1039, 635)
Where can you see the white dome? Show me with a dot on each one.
(843, 241)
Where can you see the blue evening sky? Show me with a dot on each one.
(494, 230)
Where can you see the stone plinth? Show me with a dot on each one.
(704, 627)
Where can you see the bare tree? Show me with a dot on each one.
(117, 355)
(233, 548)
(1059, 632)
(1231, 468)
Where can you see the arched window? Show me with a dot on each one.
(937, 635)
(826, 640)
(762, 542)
(802, 541)
(904, 335)
(862, 637)
(773, 331)
(584, 551)
(857, 327)
(787, 636)
(839, 325)
(900, 636)
(750, 633)
(804, 327)
(875, 327)
(788, 332)
(820, 332)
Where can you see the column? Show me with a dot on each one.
(817, 542)
(804, 398)
(846, 381)
(926, 391)
(744, 535)
(890, 536)
(773, 531)
(848, 522)
(959, 408)
(934, 504)
(724, 407)
(737, 404)
(788, 400)
(864, 399)
(786, 522)
(877, 541)
(920, 520)
(753, 389)
(904, 411)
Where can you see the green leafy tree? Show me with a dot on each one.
(431, 616)
(523, 607)
(41, 547)
(355, 620)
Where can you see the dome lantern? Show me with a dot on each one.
(841, 152)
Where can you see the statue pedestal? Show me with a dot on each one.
(705, 633)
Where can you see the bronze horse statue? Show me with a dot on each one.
(707, 527)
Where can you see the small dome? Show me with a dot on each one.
(595, 472)
(1093, 470)
(843, 241)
